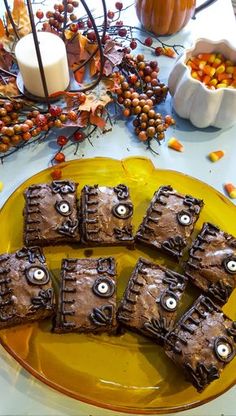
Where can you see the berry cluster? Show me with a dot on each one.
(151, 125)
(140, 90)
(56, 18)
(18, 125)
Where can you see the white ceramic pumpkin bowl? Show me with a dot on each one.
(192, 100)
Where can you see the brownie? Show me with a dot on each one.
(26, 292)
(51, 214)
(87, 299)
(151, 299)
(169, 221)
(106, 215)
(202, 342)
(212, 263)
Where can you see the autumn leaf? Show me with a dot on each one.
(76, 47)
(98, 97)
(6, 60)
(2, 29)
(113, 52)
(20, 17)
(79, 75)
(97, 120)
(9, 90)
(95, 64)
(111, 83)
(82, 120)
(113, 56)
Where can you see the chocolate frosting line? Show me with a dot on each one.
(67, 266)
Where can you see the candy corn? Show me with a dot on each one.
(1, 186)
(173, 143)
(230, 189)
(216, 155)
(213, 70)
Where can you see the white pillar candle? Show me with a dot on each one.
(54, 59)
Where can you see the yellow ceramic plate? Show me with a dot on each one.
(127, 372)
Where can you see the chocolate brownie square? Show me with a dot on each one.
(51, 214)
(202, 343)
(212, 262)
(169, 221)
(106, 215)
(87, 299)
(26, 292)
(151, 299)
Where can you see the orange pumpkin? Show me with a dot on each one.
(164, 17)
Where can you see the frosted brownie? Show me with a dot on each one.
(169, 221)
(212, 262)
(202, 343)
(26, 292)
(87, 298)
(51, 214)
(106, 215)
(151, 299)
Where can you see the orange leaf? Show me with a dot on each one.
(9, 90)
(98, 97)
(79, 75)
(2, 29)
(97, 121)
(21, 18)
(95, 65)
(82, 120)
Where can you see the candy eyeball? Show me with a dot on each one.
(37, 275)
(169, 301)
(184, 218)
(123, 210)
(63, 207)
(230, 265)
(224, 349)
(103, 287)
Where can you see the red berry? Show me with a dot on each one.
(119, 5)
(74, 27)
(119, 23)
(55, 111)
(62, 140)
(49, 14)
(81, 24)
(59, 157)
(41, 120)
(133, 44)
(110, 14)
(159, 51)
(79, 136)
(153, 64)
(39, 14)
(56, 174)
(122, 32)
(132, 78)
(148, 41)
(105, 38)
(91, 36)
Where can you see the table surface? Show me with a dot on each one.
(21, 394)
